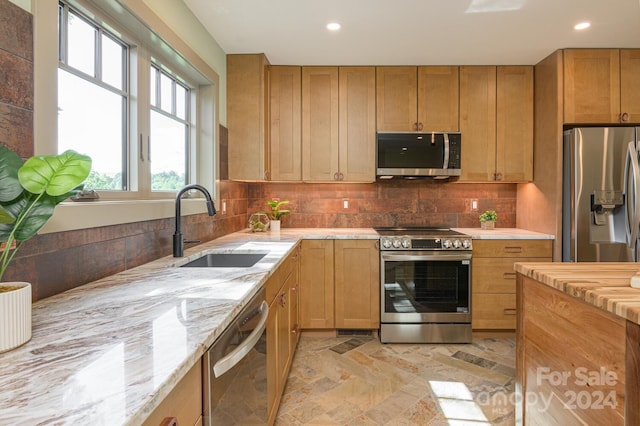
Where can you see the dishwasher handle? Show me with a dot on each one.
(227, 362)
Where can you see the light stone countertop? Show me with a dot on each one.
(110, 351)
(605, 285)
(503, 234)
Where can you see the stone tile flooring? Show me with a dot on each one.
(356, 380)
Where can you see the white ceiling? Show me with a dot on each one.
(416, 32)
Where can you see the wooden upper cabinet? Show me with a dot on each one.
(438, 99)
(357, 124)
(514, 124)
(602, 86)
(411, 99)
(285, 130)
(397, 98)
(320, 123)
(247, 116)
(478, 122)
(630, 85)
(591, 85)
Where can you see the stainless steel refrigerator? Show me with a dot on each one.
(601, 203)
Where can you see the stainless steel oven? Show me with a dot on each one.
(425, 277)
(235, 373)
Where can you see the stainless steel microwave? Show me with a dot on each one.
(416, 155)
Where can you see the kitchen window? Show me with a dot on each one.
(96, 114)
(140, 91)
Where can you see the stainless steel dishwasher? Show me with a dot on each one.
(235, 377)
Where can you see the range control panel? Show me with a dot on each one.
(409, 243)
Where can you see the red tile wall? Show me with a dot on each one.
(389, 203)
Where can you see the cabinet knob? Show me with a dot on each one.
(419, 126)
(169, 421)
(624, 117)
(341, 175)
(509, 311)
(512, 249)
(267, 175)
(335, 176)
(509, 276)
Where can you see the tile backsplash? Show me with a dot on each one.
(389, 203)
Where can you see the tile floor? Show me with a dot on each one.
(356, 380)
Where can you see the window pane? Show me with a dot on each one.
(81, 45)
(165, 93)
(90, 121)
(181, 101)
(112, 62)
(168, 167)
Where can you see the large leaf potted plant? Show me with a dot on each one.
(29, 193)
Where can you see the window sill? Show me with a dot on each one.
(70, 216)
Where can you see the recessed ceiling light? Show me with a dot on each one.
(582, 25)
(333, 26)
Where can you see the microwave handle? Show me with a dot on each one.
(446, 151)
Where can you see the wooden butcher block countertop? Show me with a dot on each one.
(604, 285)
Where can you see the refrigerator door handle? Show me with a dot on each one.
(633, 216)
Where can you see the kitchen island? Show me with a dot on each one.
(578, 343)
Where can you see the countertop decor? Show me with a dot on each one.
(29, 193)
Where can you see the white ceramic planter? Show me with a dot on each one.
(15, 314)
(274, 225)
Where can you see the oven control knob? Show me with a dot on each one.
(456, 244)
(396, 243)
(446, 244)
(466, 244)
(386, 243)
(406, 243)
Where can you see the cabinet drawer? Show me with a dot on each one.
(493, 311)
(278, 278)
(513, 248)
(495, 274)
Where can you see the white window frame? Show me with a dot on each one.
(128, 206)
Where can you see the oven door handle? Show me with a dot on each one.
(422, 257)
(227, 362)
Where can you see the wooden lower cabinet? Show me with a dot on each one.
(316, 290)
(356, 284)
(184, 402)
(339, 285)
(282, 328)
(493, 280)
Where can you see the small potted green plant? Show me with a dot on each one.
(29, 192)
(488, 219)
(277, 213)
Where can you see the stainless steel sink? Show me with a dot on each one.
(225, 260)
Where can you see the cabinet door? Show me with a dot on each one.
(630, 85)
(514, 124)
(438, 99)
(357, 124)
(478, 122)
(397, 99)
(319, 123)
(293, 288)
(247, 116)
(493, 311)
(284, 83)
(591, 85)
(316, 284)
(357, 284)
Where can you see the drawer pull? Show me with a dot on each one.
(513, 249)
(509, 275)
(509, 311)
